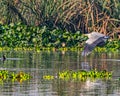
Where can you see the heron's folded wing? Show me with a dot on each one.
(90, 45)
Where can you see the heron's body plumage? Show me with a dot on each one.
(95, 39)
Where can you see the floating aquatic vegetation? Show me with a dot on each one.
(36, 38)
(6, 75)
(80, 75)
(48, 77)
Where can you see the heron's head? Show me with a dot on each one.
(106, 37)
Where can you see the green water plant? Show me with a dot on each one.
(23, 37)
(20, 35)
(80, 75)
(6, 75)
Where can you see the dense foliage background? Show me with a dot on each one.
(71, 15)
(22, 36)
(57, 23)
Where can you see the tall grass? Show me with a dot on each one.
(70, 15)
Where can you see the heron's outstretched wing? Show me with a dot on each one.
(91, 44)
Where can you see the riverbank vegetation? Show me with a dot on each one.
(57, 24)
(16, 36)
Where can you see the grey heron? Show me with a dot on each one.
(95, 39)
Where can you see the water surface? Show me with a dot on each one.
(43, 63)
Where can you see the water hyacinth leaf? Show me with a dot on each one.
(34, 40)
(81, 75)
(18, 29)
(44, 37)
(6, 75)
(11, 24)
(48, 77)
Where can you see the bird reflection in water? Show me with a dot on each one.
(85, 66)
